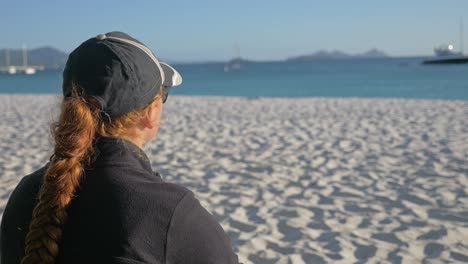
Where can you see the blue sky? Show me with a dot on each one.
(186, 30)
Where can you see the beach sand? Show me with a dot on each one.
(298, 180)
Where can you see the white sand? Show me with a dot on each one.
(299, 180)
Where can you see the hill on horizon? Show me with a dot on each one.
(336, 54)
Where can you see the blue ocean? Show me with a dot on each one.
(367, 78)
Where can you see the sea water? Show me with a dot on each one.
(382, 78)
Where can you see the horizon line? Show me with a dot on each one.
(201, 61)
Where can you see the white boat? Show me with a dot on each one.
(29, 70)
(446, 54)
(11, 70)
(446, 51)
(234, 64)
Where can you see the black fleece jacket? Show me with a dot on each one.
(123, 213)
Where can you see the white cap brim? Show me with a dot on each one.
(171, 76)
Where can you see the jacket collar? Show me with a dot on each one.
(118, 152)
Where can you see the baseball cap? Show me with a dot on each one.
(120, 72)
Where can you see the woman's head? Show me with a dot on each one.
(112, 90)
(118, 71)
(139, 126)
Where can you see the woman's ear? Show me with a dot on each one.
(152, 115)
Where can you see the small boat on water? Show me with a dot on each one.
(29, 70)
(447, 55)
(233, 65)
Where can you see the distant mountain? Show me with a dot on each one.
(50, 57)
(336, 54)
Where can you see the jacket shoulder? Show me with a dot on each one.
(17, 216)
(195, 236)
(27, 188)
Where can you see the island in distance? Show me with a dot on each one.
(339, 55)
(319, 55)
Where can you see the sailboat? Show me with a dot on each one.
(27, 69)
(446, 54)
(8, 69)
(234, 64)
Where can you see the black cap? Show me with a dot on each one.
(118, 71)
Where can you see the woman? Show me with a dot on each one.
(98, 200)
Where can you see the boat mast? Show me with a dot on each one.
(25, 56)
(7, 57)
(461, 35)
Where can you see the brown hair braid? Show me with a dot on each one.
(74, 134)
